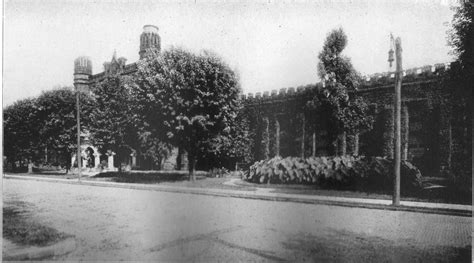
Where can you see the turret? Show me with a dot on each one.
(82, 73)
(149, 41)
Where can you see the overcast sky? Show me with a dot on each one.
(271, 44)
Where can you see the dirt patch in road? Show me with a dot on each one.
(20, 227)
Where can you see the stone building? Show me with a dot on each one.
(427, 134)
(84, 80)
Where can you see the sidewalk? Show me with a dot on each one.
(265, 194)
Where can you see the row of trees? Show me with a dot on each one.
(178, 99)
(175, 99)
(46, 122)
(190, 101)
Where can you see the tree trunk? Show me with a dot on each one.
(277, 137)
(266, 139)
(13, 162)
(388, 133)
(342, 144)
(356, 145)
(303, 135)
(405, 129)
(179, 164)
(68, 160)
(191, 166)
(119, 163)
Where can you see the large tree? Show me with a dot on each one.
(114, 123)
(186, 99)
(231, 148)
(48, 121)
(461, 38)
(56, 112)
(460, 88)
(21, 134)
(337, 101)
(118, 125)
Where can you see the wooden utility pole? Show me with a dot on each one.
(397, 102)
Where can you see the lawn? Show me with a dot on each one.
(170, 178)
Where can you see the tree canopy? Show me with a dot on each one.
(460, 88)
(186, 99)
(21, 136)
(113, 121)
(337, 99)
(461, 38)
(335, 67)
(31, 125)
(56, 110)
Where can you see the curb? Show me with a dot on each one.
(318, 200)
(37, 253)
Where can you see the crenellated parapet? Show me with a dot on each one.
(282, 94)
(427, 72)
(378, 80)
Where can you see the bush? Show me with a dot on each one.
(359, 173)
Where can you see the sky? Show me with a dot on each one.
(271, 44)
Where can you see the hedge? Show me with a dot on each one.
(152, 175)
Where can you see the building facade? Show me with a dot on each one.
(428, 136)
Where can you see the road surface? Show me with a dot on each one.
(126, 224)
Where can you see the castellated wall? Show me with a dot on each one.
(424, 122)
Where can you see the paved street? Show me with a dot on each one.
(126, 224)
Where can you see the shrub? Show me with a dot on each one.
(359, 173)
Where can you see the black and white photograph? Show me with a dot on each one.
(237, 131)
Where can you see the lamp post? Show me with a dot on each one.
(78, 109)
(82, 73)
(397, 108)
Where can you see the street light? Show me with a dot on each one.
(397, 106)
(78, 109)
(82, 73)
(390, 52)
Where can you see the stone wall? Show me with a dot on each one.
(425, 124)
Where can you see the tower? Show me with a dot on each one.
(149, 41)
(115, 65)
(82, 73)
